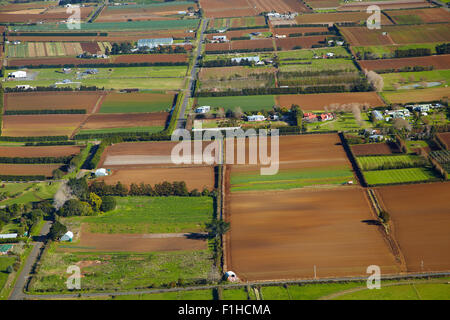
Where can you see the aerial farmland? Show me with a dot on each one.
(224, 150)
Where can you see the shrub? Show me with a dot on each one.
(108, 203)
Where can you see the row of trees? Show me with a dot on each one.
(164, 189)
(33, 160)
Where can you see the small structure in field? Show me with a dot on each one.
(153, 43)
(5, 248)
(254, 118)
(203, 109)
(255, 59)
(18, 74)
(219, 38)
(8, 236)
(101, 172)
(68, 236)
(231, 276)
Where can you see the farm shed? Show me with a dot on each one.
(377, 114)
(8, 236)
(68, 236)
(101, 172)
(256, 118)
(255, 59)
(5, 248)
(18, 74)
(203, 109)
(153, 43)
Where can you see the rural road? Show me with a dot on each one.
(235, 285)
(18, 290)
(181, 122)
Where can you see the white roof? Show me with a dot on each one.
(8, 236)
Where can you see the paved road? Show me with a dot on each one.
(236, 285)
(181, 123)
(18, 290)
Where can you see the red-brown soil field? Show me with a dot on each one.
(137, 58)
(138, 242)
(385, 5)
(52, 61)
(51, 100)
(142, 13)
(106, 121)
(41, 125)
(56, 14)
(240, 44)
(229, 8)
(302, 30)
(430, 15)
(303, 42)
(44, 151)
(371, 149)
(438, 62)
(198, 177)
(420, 215)
(445, 138)
(28, 169)
(286, 238)
(156, 153)
(320, 100)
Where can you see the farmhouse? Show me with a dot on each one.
(203, 109)
(153, 43)
(326, 116)
(256, 118)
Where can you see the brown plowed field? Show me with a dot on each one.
(156, 153)
(320, 100)
(229, 8)
(420, 215)
(303, 42)
(430, 15)
(27, 152)
(28, 169)
(438, 62)
(334, 17)
(385, 5)
(137, 243)
(56, 14)
(445, 137)
(302, 30)
(53, 61)
(105, 121)
(91, 47)
(41, 125)
(198, 177)
(123, 13)
(281, 6)
(150, 58)
(372, 148)
(51, 100)
(284, 234)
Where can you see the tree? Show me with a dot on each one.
(57, 230)
(10, 269)
(385, 217)
(95, 201)
(217, 228)
(74, 207)
(108, 203)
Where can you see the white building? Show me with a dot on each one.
(18, 74)
(153, 43)
(219, 38)
(8, 236)
(203, 109)
(256, 118)
(255, 59)
(101, 172)
(68, 236)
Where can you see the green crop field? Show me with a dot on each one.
(410, 80)
(380, 162)
(235, 294)
(388, 51)
(127, 271)
(319, 65)
(152, 129)
(421, 291)
(308, 54)
(399, 175)
(116, 26)
(28, 192)
(344, 122)
(246, 103)
(289, 179)
(141, 102)
(5, 262)
(153, 215)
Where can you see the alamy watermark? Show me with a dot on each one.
(234, 140)
(374, 280)
(374, 20)
(74, 19)
(74, 280)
